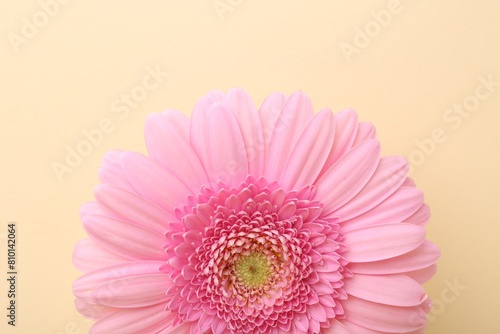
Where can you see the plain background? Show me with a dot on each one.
(64, 77)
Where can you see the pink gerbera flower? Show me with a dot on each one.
(275, 220)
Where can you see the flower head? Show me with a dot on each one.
(275, 220)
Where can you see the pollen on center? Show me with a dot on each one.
(253, 270)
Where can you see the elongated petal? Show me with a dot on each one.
(184, 328)
(423, 275)
(115, 202)
(133, 291)
(336, 327)
(89, 256)
(388, 177)
(423, 256)
(205, 322)
(396, 290)
(90, 208)
(198, 131)
(149, 319)
(287, 129)
(246, 115)
(366, 131)
(85, 285)
(382, 241)
(111, 171)
(127, 240)
(310, 153)
(228, 157)
(420, 217)
(218, 325)
(301, 322)
(269, 113)
(384, 318)
(153, 182)
(362, 330)
(167, 139)
(409, 182)
(346, 124)
(396, 208)
(348, 176)
(93, 311)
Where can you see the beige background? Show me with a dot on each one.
(63, 77)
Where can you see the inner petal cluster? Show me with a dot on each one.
(262, 258)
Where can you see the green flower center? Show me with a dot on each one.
(253, 270)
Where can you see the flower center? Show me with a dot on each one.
(262, 258)
(253, 270)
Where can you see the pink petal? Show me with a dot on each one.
(336, 327)
(314, 326)
(396, 290)
(90, 208)
(132, 291)
(347, 176)
(362, 330)
(423, 256)
(184, 328)
(327, 301)
(322, 287)
(287, 211)
(127, 240)
(359, 329)
(346, 124)
(301, 323)
(153, 182)
(216, 95)
(249, 122)
(228, 156)
(89, 256)
(111, 171)
(421, 216)
(218, 325)
(205, 322)
(167, 139)
(390, 173)
(366, 131)
(328, 264)
(93, 311)
(396, 208)
(426, 305)
(384, 318)
(193, 222)
(292, 120)
(149, 319)
(84, 285)
(409, 183)
(124, 205)
(423, 275)
(269, 113)
(381, 242)
(310, 153)
(316, 312)
(198, 132)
